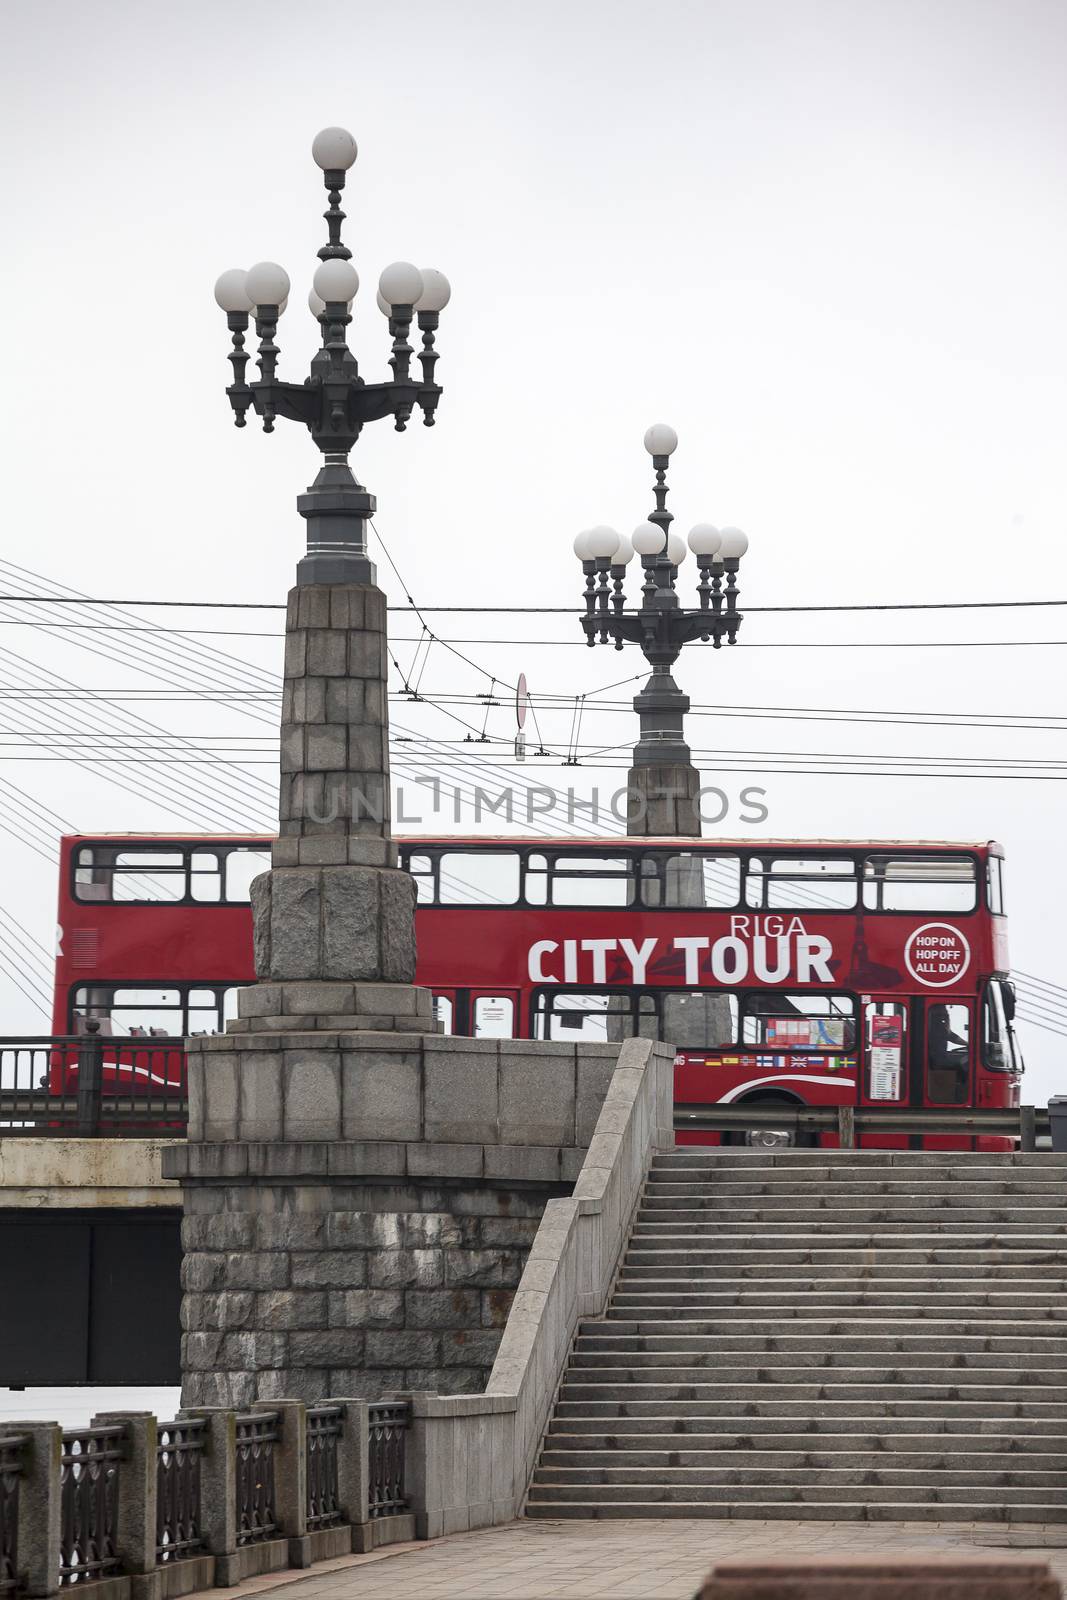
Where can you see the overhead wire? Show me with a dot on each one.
(72, 597)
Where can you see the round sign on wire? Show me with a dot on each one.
(522, 701)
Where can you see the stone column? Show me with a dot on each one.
(39, 1505)
(663, 784)
(333, 918)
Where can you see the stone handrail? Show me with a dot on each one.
(131, 1508)
(471, 1457)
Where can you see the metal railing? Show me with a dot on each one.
(324, 1425)
(87, 1085)
(387, 1423)
(89, 1503)
(257, 1434)
(1023, 1123)
(179, 1451)
(11, 1464)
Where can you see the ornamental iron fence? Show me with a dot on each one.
(179, 1451)
(324, 1426)
(387, 1423)
(89, 1468)
(257, 1434)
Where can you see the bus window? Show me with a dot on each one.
(805, 883)
(421, 869)
(494, 1016)
(135, 1011)
(798, 1021)
(692, 879)
(997, 1053)
(919, 883)
(479, 878)
(886, 1053)
(599, 1017)
(148, 875)
(241, 867)
(948, 1053)
(535, 881)
(699, 1019)
(205, 877)
(995, 885)
(592, 881)
(142, 1012)
(203, 1011)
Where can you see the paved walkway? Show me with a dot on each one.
(628, 1560)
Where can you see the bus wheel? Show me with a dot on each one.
(766, 1138)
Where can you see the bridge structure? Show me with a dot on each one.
(431, 1284)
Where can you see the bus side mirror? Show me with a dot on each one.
(1008, 992)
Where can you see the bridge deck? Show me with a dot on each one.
(637, 1560)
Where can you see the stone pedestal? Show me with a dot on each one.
(360, 1193)
(359, 1206)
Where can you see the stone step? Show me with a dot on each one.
(669, 1366)
(797, 1214)
(782, 1448)
(628, 1322)
(651, 1488)
(824, 1192)
(820, 1308)
(736, 1386)
(840, 1250)
(541, 1504)
(845, 1188)
(573, 1454)
(825, 1162)
(716, 1207)
(777, 1337)
(768, 1411)
(818, 1477)
(760, 1231)
(753, 1269)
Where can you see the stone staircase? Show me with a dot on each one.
(826, 1334)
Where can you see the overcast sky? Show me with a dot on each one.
(826, 241)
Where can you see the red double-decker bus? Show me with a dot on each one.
(814, 973)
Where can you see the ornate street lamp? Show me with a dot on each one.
(661, 626)
(334, 402)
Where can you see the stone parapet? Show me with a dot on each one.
(405, 1087)
(472, 1456)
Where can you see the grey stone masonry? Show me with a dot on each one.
(664, 802)
(359, 1205)
(334, 907)
(335, 722)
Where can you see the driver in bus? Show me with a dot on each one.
(947, 1058)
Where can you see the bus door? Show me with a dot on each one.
(947, 1063)
(885, 1069)
(494, 1014)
